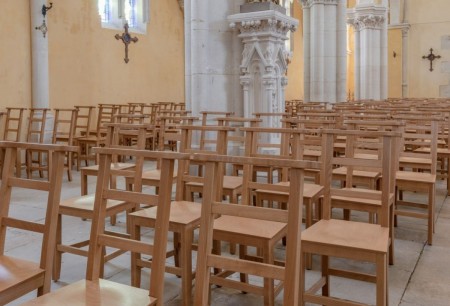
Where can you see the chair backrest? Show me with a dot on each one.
(169, 133)
(294, 144)
(105, 114)
(188, 145)
(64, 126)
(52, 188)
(83, 120)
(236, 138)
(137, 131)
(210, 118)
(419, 141)
(100, 238)
(13, 124)
(37, 125)
(212, 206)
(385, 163)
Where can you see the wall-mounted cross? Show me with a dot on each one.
(431, 57)
(127, 39)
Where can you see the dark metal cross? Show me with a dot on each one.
(127, 39)
(431, 57)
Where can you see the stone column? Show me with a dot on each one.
(212, 57)
(405, 31)
(371, 72)
(40, 78)
(39, 57)
(264, 57)
(325, 56)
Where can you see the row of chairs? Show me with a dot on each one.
(240, 214)
(418, 144)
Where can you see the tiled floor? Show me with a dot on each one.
(420, 276)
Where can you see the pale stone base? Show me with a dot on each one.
(261, 6)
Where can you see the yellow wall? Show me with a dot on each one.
(294, 89)
(86, 61)
(15, 56)
(429, 22)
(395, 63)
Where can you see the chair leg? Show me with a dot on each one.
(186, 267)
(135, 268)
(325, 274)
(382, 294)
(58, 254)
(113, 185)
(242, 253)
(177, 249)
(269, 288)
(391, 234)
(301, 283)
(431, 200)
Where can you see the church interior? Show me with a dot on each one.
(224, 152)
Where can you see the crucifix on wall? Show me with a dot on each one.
(431, 57)
(126, 39)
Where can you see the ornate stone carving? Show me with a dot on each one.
(269, 25)
(309, 3)
(368, 22)
(254, 1)
(264, 59)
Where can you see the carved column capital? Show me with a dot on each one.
(374, 22)
(264, 25)
(308, 3)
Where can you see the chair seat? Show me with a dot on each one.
(349, 235)
(154, 174)
(248, 227)
(114, 166)
(420, 177)
(181, 212)
(229, 182)
(309, 190)
(91, 138)
(357, 173)
(101, 292)
(85, 204)
(15, 272)
(405, 161)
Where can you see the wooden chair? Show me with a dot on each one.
(348, 239)
(169, 134)
(418, 172)
(248, 225)
(294, 143)
(36, 160)
(184, 216)
(19, 276)
(232, 185)
(64, 132)
(13, 132)
(95, 290)
(83, 206)
(95, 138)
(83, 120)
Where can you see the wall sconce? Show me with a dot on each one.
(394, 54)
(43, 27)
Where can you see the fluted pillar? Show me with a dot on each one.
(325, 58)
(371, 70)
